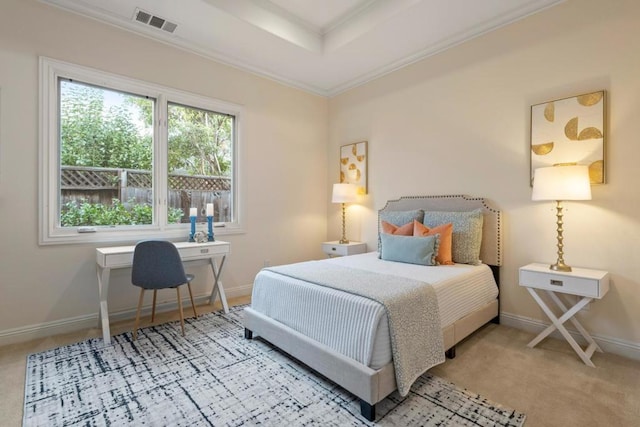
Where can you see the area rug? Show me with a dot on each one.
(215, 377)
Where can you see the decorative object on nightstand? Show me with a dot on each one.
(337, 248)
(581, 282)
(344, 193)
(562, 182)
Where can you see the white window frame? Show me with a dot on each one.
(50, 231)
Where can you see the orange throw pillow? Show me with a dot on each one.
(446, 235)
(403, 230)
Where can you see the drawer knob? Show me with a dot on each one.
(333, 249)
(555, 282)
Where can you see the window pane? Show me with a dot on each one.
(200, 154)
(106, 153)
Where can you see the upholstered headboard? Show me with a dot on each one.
(490, 249)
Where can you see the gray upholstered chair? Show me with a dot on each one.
(157, 265)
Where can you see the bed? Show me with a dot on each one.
(350, 338)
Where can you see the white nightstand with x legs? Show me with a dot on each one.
(582, 282)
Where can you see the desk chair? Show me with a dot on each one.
(157, 265)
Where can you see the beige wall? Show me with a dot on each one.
(458, 123)
(454, 123)
(284, 168)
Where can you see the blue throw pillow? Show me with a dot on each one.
(412, 250)
(398, 218)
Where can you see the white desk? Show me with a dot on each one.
(122, 257)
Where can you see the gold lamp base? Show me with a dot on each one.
(343, 240)
(559, 265)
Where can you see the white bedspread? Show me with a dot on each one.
(358, 326)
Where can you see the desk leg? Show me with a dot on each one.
(217, 284)
(103, 314)
(557, 323)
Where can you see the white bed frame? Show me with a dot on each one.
(369, 385)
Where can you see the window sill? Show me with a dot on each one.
(107, 236)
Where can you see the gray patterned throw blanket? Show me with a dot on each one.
(411, 306)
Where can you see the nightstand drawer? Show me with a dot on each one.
(592, 284)
(334, 249)
(343, 249)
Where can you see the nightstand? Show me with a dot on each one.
(581, 282)
(343, 249)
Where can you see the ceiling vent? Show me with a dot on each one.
(154, 21)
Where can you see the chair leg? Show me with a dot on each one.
(180, 310)
(195, 313)
(153, 307)
(135, 327)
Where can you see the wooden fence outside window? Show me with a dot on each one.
(102, 185)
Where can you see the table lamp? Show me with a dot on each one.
(344, 193)
(561, 182)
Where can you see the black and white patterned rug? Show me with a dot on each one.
(215, 377)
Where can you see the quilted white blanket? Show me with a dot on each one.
(411, 306)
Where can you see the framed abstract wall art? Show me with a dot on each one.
(570, 131)
(353, 165)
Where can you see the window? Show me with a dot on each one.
(123, 159)
(199, 158)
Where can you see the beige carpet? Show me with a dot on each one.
(549, 383)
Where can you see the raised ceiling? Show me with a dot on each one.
(321, 46)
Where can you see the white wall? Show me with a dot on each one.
(284, 167)
(458, 123)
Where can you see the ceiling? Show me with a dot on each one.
(321, 46)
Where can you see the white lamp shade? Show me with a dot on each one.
(561, 183)
(344, 193)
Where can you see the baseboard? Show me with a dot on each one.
(72, 324)
(47, 329)
(608, 344)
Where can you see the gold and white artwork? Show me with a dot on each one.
(353, 165)
(570, 130)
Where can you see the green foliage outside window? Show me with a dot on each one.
(99, 136)
(96, 133)
(75, 214)
(199, 141)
